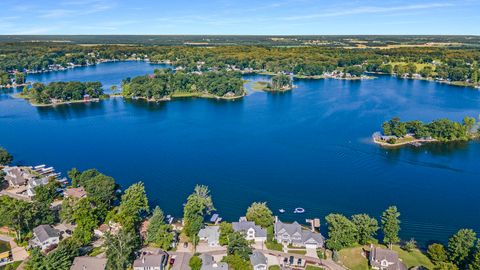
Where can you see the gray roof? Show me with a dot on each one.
(257, 258)
(45, 232)
(295, 228)
(208, 263)
(212, 233)
(150, 261)
(243, 226)
(377, 255)
(88, 263)
(290, 228)
(15, 176)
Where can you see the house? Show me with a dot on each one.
(16, 177)
(151, 261)
(88, 263)
(45, 236)
(252, 231)
(385, 259)
(208, 263)
(211, 235)
(258, 261)
(33, 183)
(77, 193)
(294, 234)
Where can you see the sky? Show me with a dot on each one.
(245, 17)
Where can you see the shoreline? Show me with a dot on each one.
(400, 144)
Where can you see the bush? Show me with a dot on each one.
(195, 263)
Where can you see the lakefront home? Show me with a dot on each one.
(208, 263)
(150, 261)
(294, 234)
(44, 237)
(385, 259)
(211, 235)
(16, 176)
(252, 231)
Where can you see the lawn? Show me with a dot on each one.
(297, 251)
(313, 267)
(414, 258)
(353, 259)
(272, 245)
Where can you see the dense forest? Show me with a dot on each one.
(455, 64)
(443, 130)
(57, 92)
(164, 83)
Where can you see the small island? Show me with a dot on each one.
(56, 93)
(279, 83)
(397, 133)
(165, 84)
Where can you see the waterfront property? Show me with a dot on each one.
(210, 234)
(294, 234)
(252, 231)
(385, 259)
(89, 263)
(77, 193)
(45, 237)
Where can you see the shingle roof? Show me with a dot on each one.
(243, 226)
(208, 263)
(150, 261)
(45, 232)
(212, 233)
(258, 258)
(88, 263)
(377, 255)
(290, 228)
(76, 192)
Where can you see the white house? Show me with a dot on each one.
(151, 262)
(385, 259)
(88, 263)
(252, 231)
(258, 261)
(45, 236)
(294, 234)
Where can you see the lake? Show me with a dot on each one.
(309, 148)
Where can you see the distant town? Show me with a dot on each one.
(86, 221)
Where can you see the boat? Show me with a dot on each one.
(281, 210)
(299, 210)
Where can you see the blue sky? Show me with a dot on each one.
(255, 17)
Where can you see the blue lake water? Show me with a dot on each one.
(307, 148)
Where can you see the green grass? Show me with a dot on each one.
(353, 259)
(259, 85)
(414, 258)
(297, 251)
(272, 245)
(313, 267)
(274, 267)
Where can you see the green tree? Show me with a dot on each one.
(120, 249)
(236, 262)
(5, 157)
(86, 220)
(199, 203)
(475, 261)
(239, 246)
(367, 228)
(342, 232)
(259, 213)
(469, 123)
(114, 89)
(437, 253)
(134, 202)
(391, 225)
(410, 245)
(461, 246)
(159, 233)
(195, 263)
(225, 230)
(73, 174)
(445, 266)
